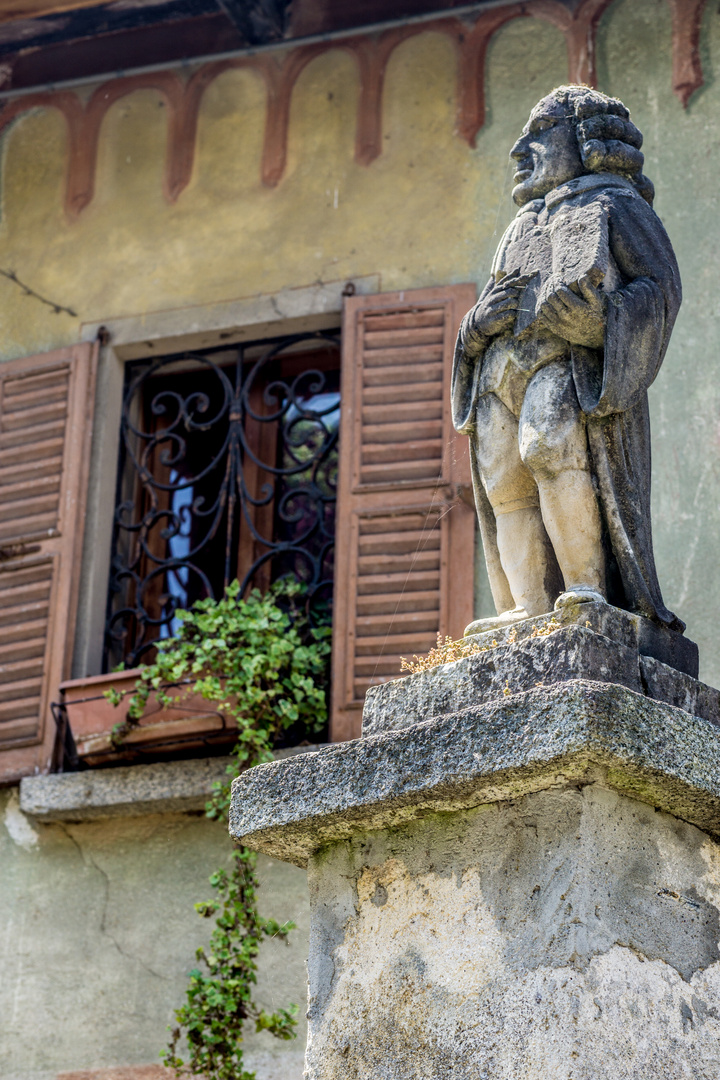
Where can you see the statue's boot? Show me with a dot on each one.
(523, 547)
(578, 594)
(497, 622)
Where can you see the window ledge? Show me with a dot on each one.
(128, 791)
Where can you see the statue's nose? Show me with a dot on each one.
(520, 148)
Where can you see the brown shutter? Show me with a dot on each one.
(45, 428)
(405, 525)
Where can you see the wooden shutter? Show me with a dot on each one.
(405, 525)
(45, 428)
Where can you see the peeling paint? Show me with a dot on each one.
(18, 826)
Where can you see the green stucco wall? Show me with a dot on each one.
(98, 933)
(682, 153)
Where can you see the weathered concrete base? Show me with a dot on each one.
(571, 934)
(524, 889)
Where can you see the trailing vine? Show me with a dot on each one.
(219, 1000)
(267, 666)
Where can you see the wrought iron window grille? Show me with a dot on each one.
(227, 469)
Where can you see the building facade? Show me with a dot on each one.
(329, 203)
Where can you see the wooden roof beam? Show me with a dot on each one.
(259, 21)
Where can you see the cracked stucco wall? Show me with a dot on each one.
(98, 932)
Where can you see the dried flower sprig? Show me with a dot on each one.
(58, 309)
(445, 652)
(448, 650)
(546, 628)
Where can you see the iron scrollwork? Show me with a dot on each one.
(228, 468)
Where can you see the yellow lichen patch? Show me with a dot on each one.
(545, 629)
(381, 876)
(398, 913)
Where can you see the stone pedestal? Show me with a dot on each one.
(511, 883)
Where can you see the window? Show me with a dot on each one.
(228, 469)
(406, 526)
(46, 407)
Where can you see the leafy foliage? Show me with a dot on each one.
(219, 1000)
(258, 657)
(265, 664)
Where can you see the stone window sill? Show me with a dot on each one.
(127, 791)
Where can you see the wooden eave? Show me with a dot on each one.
(52, 41)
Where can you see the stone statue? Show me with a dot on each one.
(553, 364)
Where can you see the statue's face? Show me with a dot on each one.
(546, 153)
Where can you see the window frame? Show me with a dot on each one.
(300, 310)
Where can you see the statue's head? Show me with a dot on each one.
(571, 132)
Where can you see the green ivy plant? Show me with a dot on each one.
(268, 667)
(219, 1000)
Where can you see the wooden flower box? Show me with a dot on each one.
(189, 724)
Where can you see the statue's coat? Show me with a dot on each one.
(611, 385)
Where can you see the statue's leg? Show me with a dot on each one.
(553, 445)
(522, 542)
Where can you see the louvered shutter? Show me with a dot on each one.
(45, 428)
(404, 556)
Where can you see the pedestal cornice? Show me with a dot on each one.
(570, 734)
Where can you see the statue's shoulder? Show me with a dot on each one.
(593, 187)
(617, 195)
(637, 238)
(628, 214)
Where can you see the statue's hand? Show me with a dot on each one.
(578, 319)
(494, 313)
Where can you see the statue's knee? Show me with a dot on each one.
(510, 490)
(506, 481)
(508, 484)
(549, 450)
(551, 433)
